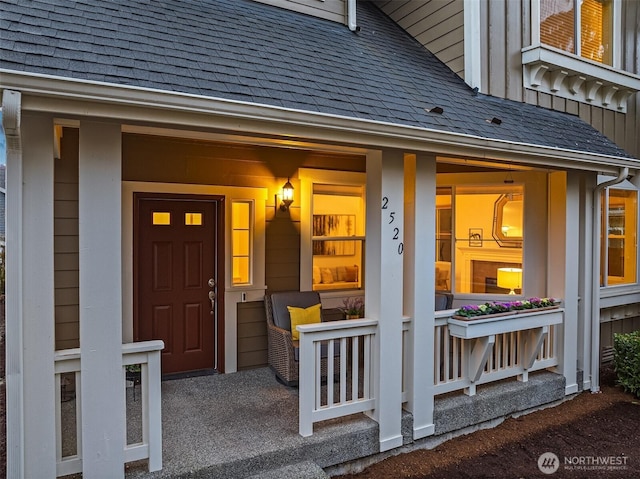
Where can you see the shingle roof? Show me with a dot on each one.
(248, 51)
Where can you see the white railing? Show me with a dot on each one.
(335, 350)
(504, 357)
(67, 387)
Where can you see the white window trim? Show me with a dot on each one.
(252, 227)
(308, 177)
(568, 75)
(232, 294)
(615, 289)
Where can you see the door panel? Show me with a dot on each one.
(175, 257)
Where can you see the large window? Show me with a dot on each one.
(337, 236)
(619, 236)
(479, 239)
(581, 27)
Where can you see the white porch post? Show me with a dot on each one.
(30, 302)
(419, 278)
(99, 212)
(385, 205)
(585, 280)
(564, 233)
(38, 321)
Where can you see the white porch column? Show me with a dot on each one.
(385, 218)
(564, 260)
(38, 320)
(102, 387)
(30, 302)
(419, 261)
(586, 248)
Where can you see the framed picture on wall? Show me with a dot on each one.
(475, 237)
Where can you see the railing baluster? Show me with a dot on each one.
(318, 374)
(355, 367)
(437, 364)
(330, 373)
(343, 370)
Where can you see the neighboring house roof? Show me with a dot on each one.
(251, 52)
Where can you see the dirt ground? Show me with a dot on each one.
(592, 435)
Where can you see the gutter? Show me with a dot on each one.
(52, 94)
(14, 386)
(595, 271)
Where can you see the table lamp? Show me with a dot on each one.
(510, 278)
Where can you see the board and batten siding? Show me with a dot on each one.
(505, 29)
(334, 10)
(436, 24)
(65, 241)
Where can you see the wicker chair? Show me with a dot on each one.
(283, 352)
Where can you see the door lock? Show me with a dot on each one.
(211, 283)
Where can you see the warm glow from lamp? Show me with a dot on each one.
(510, 278)
(287, 196)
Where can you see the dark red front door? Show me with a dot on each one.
(175, 275)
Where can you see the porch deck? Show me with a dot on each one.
(246, 425)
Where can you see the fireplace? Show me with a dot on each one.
(484, 276)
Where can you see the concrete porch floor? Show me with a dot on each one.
(245, 425)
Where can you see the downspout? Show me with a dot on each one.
(14, 386)
(351, 16)
(595, 271)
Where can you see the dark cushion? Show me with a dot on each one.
(299, 299)
(444, 300)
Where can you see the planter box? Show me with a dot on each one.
(504, 322)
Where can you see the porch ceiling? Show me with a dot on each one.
(248, 52)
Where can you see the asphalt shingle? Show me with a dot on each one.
(248, 51)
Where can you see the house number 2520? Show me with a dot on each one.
(392, 217)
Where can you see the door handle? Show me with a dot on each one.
(212, 298)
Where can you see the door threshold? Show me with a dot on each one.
(189, 374)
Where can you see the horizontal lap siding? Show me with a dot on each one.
(436, 24)
(252, 335)
(65, 242)
(150, 158)
(334, 10)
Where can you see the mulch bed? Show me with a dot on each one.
(583, 433)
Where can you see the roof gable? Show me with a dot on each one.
(247, 51)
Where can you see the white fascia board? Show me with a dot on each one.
(81, 98)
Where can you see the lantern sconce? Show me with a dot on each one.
(287, 196)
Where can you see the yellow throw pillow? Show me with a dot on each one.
(300, 316)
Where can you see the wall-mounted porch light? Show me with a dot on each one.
(510, 278)
(287, 196)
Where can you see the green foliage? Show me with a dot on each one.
(626, 360)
